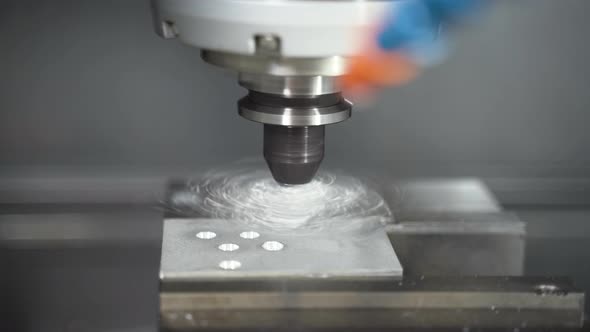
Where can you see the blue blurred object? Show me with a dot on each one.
(414, 25)
(444, 10)
(410, 22)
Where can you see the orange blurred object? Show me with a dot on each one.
(375, 69)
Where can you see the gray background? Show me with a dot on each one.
(88, 84)
(95, 108)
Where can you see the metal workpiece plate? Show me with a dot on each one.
(221, 250)
(424, 302)
(438, 199)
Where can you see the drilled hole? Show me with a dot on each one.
(230, 265)
(206, 235)
(249, 235)
(549, 289)
(228, 247)
(273, 246)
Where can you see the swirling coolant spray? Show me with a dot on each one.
(250, 196)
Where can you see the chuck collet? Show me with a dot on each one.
(294, 129)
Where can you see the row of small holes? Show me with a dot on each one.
(249, 235)
(207, 235)
(268, 246)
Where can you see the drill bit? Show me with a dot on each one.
(293, 154)
(294, 128)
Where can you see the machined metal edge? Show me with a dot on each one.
(276, 65)
(475, 302)
(315, 116)
(290, 85)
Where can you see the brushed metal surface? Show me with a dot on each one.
(359, 253)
